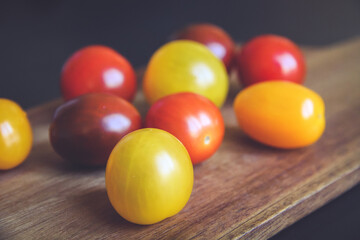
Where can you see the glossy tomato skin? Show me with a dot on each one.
(213, 37)
(269, 57)
(97, 69)
(185, 66)
(191, 118)
(149, 176)
(280, 114)
(15, 134)
(85, 129)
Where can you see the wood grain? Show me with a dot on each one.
(246, 190)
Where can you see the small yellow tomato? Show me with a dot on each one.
(280, 114)
(185, 66)
(149, 176)
(15, 134)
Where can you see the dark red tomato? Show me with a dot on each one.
(97, 69)
(193, 119)
(86, 129)
(215, 38)
(270, 57)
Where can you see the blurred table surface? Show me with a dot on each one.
(246, 190)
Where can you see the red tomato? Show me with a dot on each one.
(97, 69)
(213, 37)
(269, 57)
(193, 119)
(86, 129)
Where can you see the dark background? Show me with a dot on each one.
(36, 37)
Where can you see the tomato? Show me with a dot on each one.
(149, 176)
(193, 119)
(97, 69)
(270, 57)
(15, 134)
(86, 129)
(185, 66)
(213, 37)
(280, 114)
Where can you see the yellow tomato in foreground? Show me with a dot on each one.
(280, 114)
(15, 134)
(185, 66)
(149, 176)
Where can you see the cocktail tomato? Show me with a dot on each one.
(280, 114)
(193, 119)
(270, 57)
(185, 66)
(213, 37)
(97, 69)
(86, 129)
(149, 176)
(15, 134)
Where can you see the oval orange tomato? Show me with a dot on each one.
(15, 134)
(185, 66)
(149, 176)
(193, 119)
(280, 114)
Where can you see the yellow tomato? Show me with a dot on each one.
(15, 134)
(185, 66)
(149, 176)
(281, 114)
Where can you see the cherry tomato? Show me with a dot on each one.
(270, 57)
(213, 37)
(193, 119)
(15, 135)
(185, 66)
(86, 129)
(97, 69)
(149, 176)
(280, 114)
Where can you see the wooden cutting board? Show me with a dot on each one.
(246, 190)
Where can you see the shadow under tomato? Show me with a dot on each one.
(237, 140)
(236, 136)
(67, 166)
(97, 210)
(43, 158)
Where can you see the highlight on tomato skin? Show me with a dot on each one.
(191, 118)
(16, 137)
(149, 176)
(84, 130)
(280, 114)
(269, 57)
(97, 68)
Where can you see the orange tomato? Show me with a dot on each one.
(280, 114)
(15, 134)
